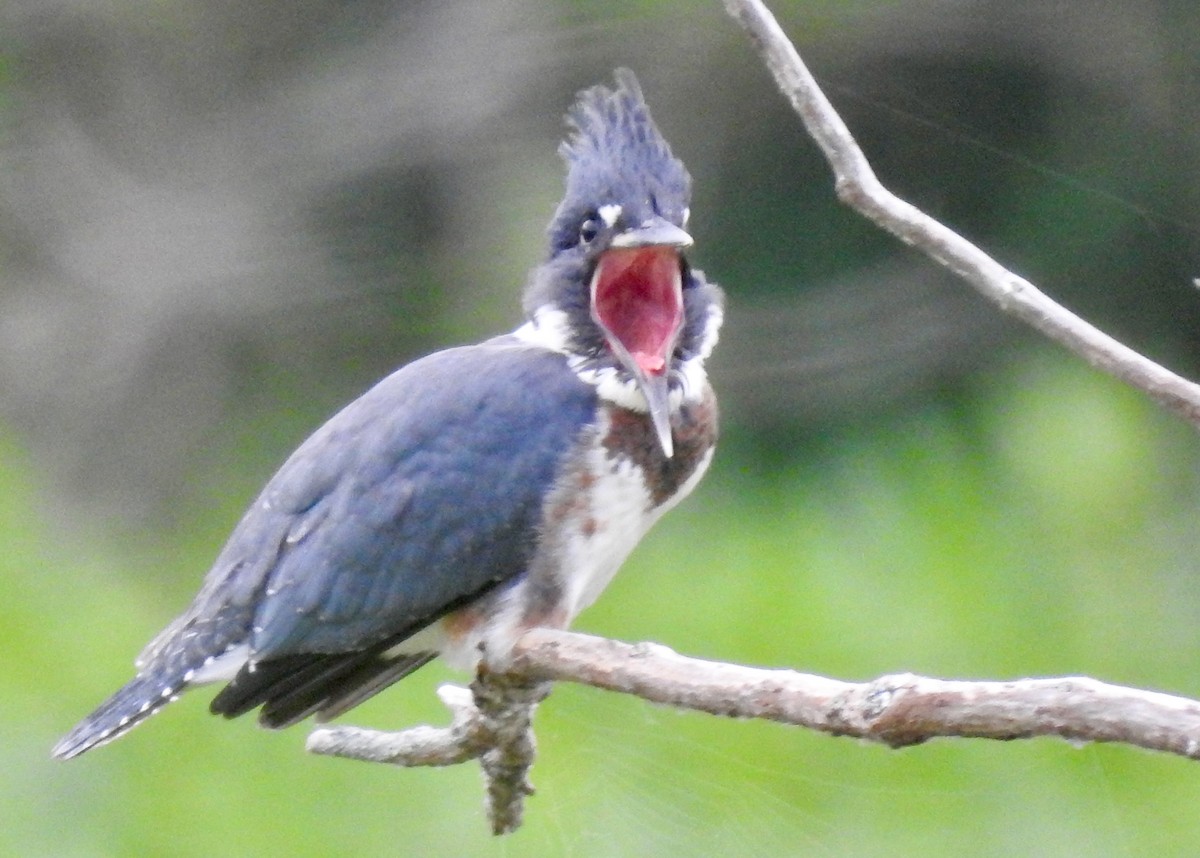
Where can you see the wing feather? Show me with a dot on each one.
(415, 498)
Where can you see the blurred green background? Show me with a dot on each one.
(219, 222)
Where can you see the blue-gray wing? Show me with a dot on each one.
(418, 496)
(421, 494)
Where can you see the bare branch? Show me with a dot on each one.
(897, 710)
(859, 188)
(463, 740)
(491, 723)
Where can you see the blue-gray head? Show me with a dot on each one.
(616, 269)
(616, 157)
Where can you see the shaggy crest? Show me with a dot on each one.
(616, 155)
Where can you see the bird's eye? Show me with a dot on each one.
(588, 231)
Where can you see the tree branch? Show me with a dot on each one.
(490, 723)
(896, 710)
(493, 723)
(858, 187)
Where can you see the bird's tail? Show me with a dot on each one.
(133, 704)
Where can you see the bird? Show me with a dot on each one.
(477, 492)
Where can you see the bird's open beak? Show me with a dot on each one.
(655, 232)
(637, 299)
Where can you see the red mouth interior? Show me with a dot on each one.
(637, 297)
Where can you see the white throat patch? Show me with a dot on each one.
(549, 329)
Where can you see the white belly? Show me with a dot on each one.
(589, 531)
(597, 538)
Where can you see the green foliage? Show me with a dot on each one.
(1042, 528)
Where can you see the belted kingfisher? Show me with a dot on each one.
(477, 492)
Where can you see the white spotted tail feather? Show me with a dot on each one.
(134, 703)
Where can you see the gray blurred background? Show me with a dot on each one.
(211, 213)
